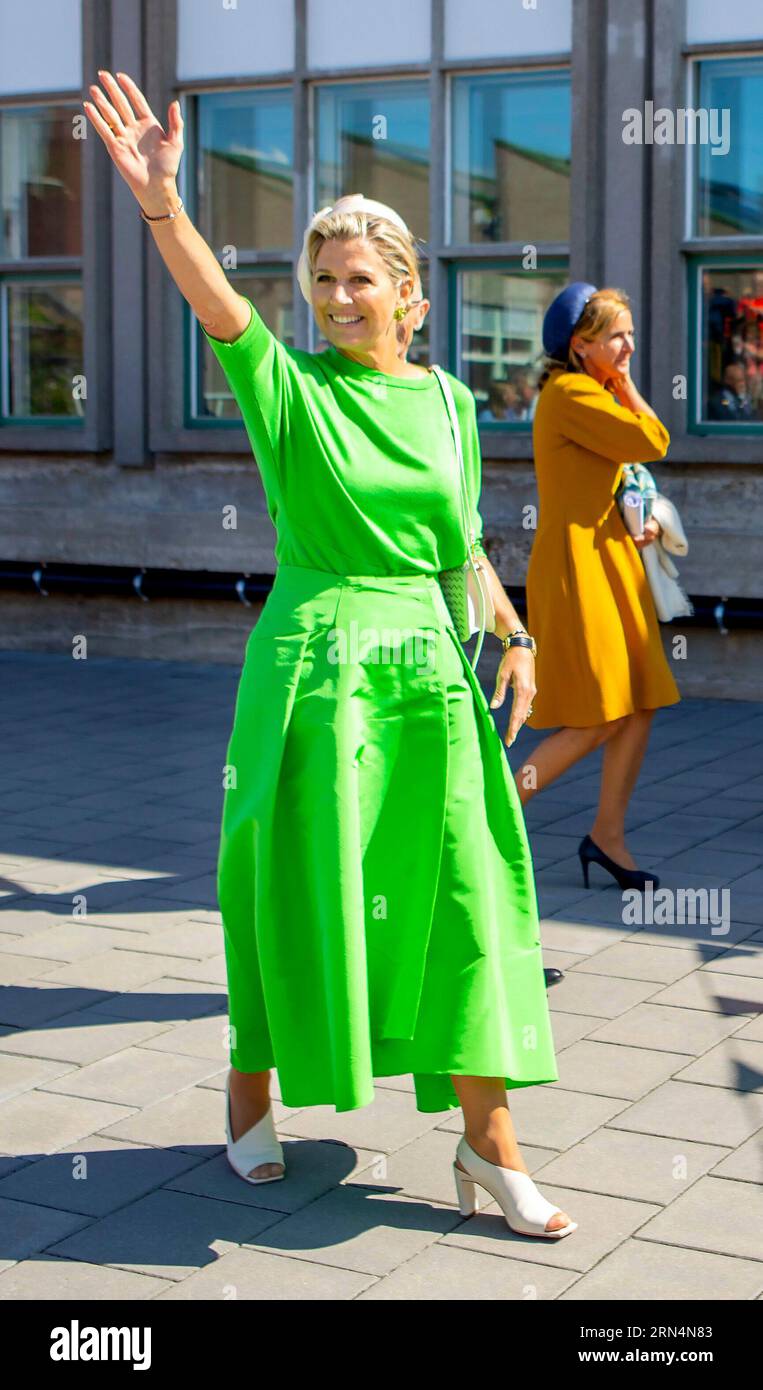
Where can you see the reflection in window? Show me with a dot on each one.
(272, 297)
(732, 346)
(500, 317)
(373, 138)
(245, 170)
(44, 350)
(510, 179)
(39, 183)
(729, 192)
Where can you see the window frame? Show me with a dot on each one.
(89, 271)
(694, 269)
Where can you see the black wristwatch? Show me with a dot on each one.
(519, 638)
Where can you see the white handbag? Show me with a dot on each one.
(466, 587)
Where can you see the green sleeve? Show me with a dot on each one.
(258, 370)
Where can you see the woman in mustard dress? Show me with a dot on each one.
(600, 669)
(374, 874)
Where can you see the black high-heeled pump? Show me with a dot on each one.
(627, 878)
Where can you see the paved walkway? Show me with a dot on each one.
(113, 1177)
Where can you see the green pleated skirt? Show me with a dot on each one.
(374, 875)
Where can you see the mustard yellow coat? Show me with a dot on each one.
(589, 605)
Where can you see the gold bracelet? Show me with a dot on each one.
(165, 217)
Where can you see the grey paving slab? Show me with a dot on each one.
(27, 1228)
(167, 1234)
(717, 1214)
(636, 960)
(165, 998)
(743, 958)
(569, 1028)
(65, 942)
(663, 1028)
(736, 1063)
(605, 995)
(20, 968)
(212, 970)
(644, 1167)
(80, 1037)
(38, 1122)
(715, 991)
(687, 1110)
(611, 1069)
(456, 1273)
(149, 914)
(201, 1037)
(744, 1162)
(257, 1275)
(21, 1073)
(133, 1077)
(54, 1279)
(639, 1271)
(359, 1228)
(120, 970)
(753, 1029)
(96, 1177)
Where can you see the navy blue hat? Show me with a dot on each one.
(561, 316)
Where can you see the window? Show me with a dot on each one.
(243, 195)
(41, 324)
(726, 290)
(728, 178)
(729, 339)
(510, 177)
(509, 183)
(373, 138)
(498, 323)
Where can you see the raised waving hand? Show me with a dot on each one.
(147, 156)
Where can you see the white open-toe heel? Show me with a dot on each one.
(525, 1209)
(260, 1144)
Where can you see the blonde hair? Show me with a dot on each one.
(396, 247)
(600, 311)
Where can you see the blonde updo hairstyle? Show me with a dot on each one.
(396, 247)
(600, 311)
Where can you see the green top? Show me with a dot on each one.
(359, 468)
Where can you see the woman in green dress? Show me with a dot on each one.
(374, 875)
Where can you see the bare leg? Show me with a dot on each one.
(557, 753)
(249, 1101)
(623, 756)
(489, 1129)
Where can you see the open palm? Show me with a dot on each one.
(144, 154)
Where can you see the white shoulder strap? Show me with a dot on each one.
(453, 414)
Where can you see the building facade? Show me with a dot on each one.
(526, 143)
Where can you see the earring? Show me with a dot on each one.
(400, 312)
